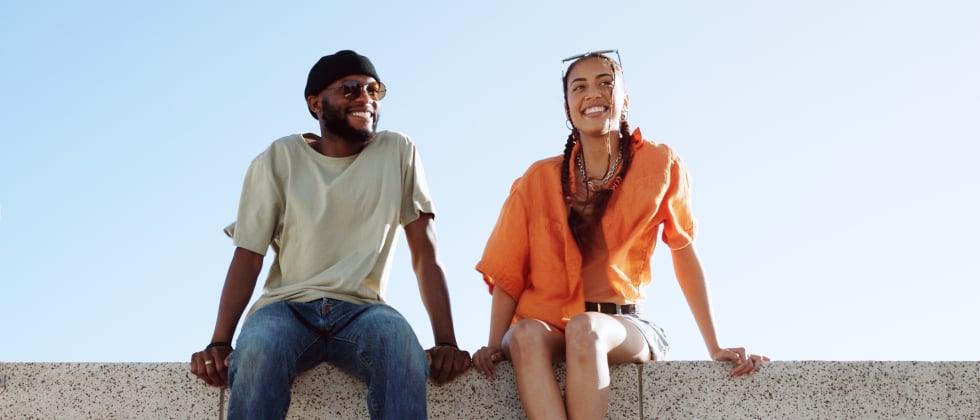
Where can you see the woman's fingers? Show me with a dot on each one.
(484, 360)
(750, 364)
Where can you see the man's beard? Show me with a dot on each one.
(335, 121)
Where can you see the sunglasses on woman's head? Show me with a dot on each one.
(568, 61)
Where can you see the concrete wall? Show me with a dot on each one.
(658, 390)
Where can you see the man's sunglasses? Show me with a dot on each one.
(351, 89)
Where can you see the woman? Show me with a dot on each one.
(570, 256)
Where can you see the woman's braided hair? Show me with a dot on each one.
(583, 227)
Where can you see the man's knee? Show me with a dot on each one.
(387, 324)
(389, 332)
(269, 336)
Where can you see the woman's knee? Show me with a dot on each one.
(582, 333)
(529, 337)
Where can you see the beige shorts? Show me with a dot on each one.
(655, 336)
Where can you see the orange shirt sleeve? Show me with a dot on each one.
(505, 261)
(676, 213)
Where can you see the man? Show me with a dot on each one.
(328, 205)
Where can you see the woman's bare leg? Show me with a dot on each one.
(593, 341)
(533, 346)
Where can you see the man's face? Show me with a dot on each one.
(353, 116)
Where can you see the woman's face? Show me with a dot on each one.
(595, 97)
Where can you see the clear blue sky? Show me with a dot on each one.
(833, 147)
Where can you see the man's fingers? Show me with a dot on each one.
(447, 363)
(462, 362)
(212, 371)
(218, 356)
(440, 367)
(211, 365)
(199, 368)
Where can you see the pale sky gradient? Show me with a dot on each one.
(833, 147)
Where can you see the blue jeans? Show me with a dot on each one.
(371, 341)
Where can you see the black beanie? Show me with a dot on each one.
(331, 68)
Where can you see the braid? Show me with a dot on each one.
(566, 186)
(626, 148)
(576, 223)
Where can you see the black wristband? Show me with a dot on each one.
(448, 345)
(217, 344)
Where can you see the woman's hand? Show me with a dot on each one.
(486, 358)
(744, 364)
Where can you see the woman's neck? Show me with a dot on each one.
(599, 152)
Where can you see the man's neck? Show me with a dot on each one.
(332, 145)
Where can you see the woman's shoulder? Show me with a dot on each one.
(646, 149)
(541, 173)
(544, 169)
(544, 166)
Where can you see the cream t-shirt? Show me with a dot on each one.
(331, 221)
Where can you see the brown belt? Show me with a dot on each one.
(610, 308)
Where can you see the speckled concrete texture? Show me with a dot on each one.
(662, 390)
(104, 391)
(624, 392)
(327, 393)
(473, 396)
(812, 389)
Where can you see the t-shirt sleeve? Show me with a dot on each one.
(505, 261)
(416, 198)
(259, 209)
(679, 224)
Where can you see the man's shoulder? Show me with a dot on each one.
(288, 141)
(391, 145)
(393, 138)
(281, 145)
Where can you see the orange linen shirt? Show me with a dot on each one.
(532, 255)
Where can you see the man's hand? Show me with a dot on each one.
(211, 365)
(446, 363)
